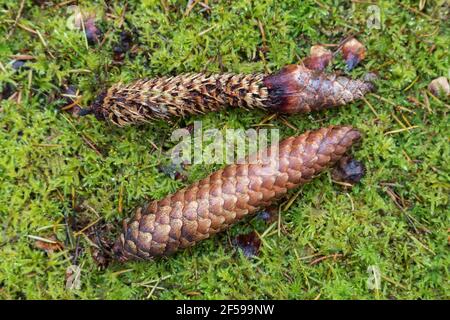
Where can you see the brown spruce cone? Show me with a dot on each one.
(215, 203)
(295, 89)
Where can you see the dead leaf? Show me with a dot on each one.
(249, 244)
(51, 245)
(353, 52)
(348, 170)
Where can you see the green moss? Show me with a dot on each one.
(44, 157)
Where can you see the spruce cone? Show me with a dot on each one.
(295, 89)
(215, 203)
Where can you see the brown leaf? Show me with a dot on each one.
(348, 170)
(49, 246)
(249, 244)
(353, 52)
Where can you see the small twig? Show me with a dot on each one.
(288, 124)
(190, 6)
(416, 11)
(153, 289)
(412, 83)
(76, 234)
(420, 243)
(41, 239)
(401, 130)
(406, 120)
(121, 272)
(90, 242)
(64, 3)
(23, 57)
(266, 119)
(83, 27)
(77, 251)
(263, 33)
(393, 282)
(279, 222)
(292, 199)
(427, 102)
(334, 256)
(342, 183)
(436, 98)
(75, 103)
(394, 198)
(351, 200)
(266, 232)
(91, 145)
(120, 208)
(206, 31)
(16, 21)
(398, 121)
(370, 106)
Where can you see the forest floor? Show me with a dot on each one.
(60, 173)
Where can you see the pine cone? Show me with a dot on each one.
(215, 203)
(295, 89)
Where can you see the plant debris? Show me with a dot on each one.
(87, 21)
(7, 91)
(353, 52)
(71, 98)
(269, 215)
(49, 246)
(319, 58)
(439, 87)
(100, 258)
(19, 65)
(96, 232)
(249, 244)
(123, 46)
(348, 170)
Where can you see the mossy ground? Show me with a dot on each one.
(47, 159)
